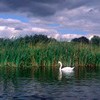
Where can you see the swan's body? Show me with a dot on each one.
(65, 69)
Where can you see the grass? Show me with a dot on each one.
(48, 54)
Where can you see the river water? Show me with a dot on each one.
(46, 83)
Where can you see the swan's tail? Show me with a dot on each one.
(73, 67)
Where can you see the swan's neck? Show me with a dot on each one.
(60, 66)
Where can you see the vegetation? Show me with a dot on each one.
(95, 40)
(39, 50)
(81, 40)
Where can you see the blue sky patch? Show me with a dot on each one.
(53, 25)
(65, 31)
(12, 16)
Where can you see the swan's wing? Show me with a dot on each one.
(67, 69)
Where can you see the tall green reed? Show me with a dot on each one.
(48, 54)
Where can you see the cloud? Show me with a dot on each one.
(82, 15)
(84, 19)
(10, 29)
(40, 7)
(15, 28)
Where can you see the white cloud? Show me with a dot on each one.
(68, 37)
(36, 29)
(90, 37)
(83, 18)
(2, 27)
(21, 29)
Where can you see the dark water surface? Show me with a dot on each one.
(46, 83)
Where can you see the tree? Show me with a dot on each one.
(81, 40)
(95, 40)
(38, 38)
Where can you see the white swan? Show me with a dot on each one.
(65, 69)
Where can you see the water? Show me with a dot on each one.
(46, 83)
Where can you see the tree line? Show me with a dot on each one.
(43, 38)
(33, 39)
(95, 40)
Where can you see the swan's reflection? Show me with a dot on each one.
(67, 75)
(60, 75)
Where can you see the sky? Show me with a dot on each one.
(60, 19)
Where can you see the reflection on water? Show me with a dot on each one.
(60, 75)
(65, 74)
(47, 83)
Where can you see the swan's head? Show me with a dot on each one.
(59, 62)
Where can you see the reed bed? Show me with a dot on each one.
(48, 54)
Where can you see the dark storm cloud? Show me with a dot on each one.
(18, 28)
(40, 7)
(80, 15)
(31, 7)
